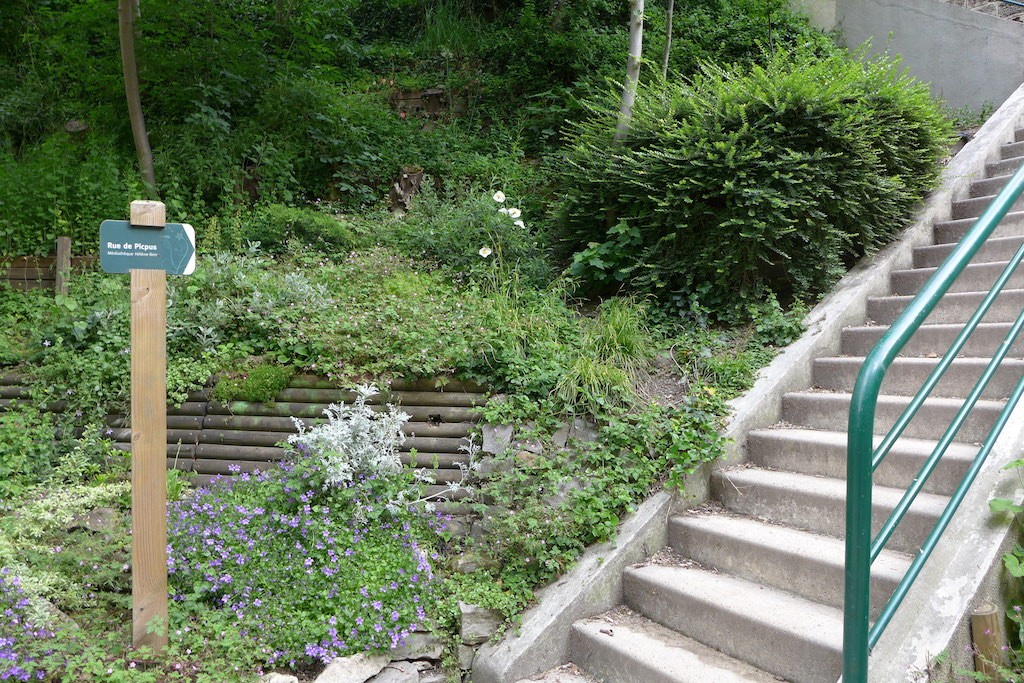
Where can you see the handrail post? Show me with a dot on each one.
(858, 532)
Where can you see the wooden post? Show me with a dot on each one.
(989, 640)
(62, 266)
(149, 442)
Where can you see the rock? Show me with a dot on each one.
(583, 430)
(278, 678)
(433, 677)
(477, 624)
(496, 438)
(561, 436)
(458, 526)
(466, 656)
(471, 561)
(489, 465)
(527, 459)
(419, 645)
(355, 669)
(398, 672)
(559, 495)
(100, 520)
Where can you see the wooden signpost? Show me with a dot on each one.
(148, 258)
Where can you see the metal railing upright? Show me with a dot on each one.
(859, 634)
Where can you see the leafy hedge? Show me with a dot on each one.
(777, 176)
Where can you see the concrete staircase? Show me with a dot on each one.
(751, 587)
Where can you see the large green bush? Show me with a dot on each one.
(775, 176)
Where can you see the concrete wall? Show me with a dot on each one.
(971, 59)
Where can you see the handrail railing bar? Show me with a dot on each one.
(896, 431)
(1013, 2)
(944, 519)
(862, 414)
(896, 516)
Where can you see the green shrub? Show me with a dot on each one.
(259, 384)
(26, 449)
(777, 176)
(276, 225)
(473, 237)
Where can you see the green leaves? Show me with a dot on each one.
(773, 177)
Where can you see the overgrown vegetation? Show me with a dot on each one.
(563, 272)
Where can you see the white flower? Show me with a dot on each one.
(503, 210)
(520, 224)
(485, 251)
(499, 196)
(514, 213)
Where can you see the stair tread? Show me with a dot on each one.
(776, 538)
(845, 396)
(818, 625)
(826, 487)
(960, 451)
(631, 636)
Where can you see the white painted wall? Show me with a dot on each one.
(970, 58)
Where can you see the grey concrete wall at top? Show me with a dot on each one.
(970, 59)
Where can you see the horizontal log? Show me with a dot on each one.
(174, 451)
(192, 422)
(444, 429)
(444, 494)
(427, 414)
(433, 445)
(283, 425)
(46, 262)
(13, 392)
(225, 467)
(180, 465)
(226, 452)
(241, 437)
(438, 384)
(188, 408)
(183, 436)
(434, 461)
(45, 273)
(404, 398)
(13, 379)
(26, 285)
(200, 394)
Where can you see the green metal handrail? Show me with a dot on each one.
(859, 635)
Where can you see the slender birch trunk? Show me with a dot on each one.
(668, 40)
(629, 86)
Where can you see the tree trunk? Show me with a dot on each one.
(668, 41)
(629, 86)
(126, 14)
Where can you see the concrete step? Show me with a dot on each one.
(807, 564)
(626, 647)
(972, 208)
(954, 307)
(822, 453)
(818, 504)
(932, 340)
(1011, 150)
(830, 411)
(906, 376)
(1003, 167)
(976, 277)
(773, 630)
(995, 249)
(947, 232)
(989, 186)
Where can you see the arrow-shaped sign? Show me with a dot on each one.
(125, 247)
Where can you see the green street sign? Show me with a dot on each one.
(125, 247)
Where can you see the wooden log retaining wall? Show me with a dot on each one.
(44, 272)
(207, 438)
